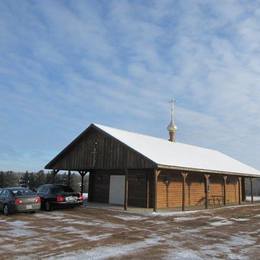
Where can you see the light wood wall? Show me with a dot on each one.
(170, 190)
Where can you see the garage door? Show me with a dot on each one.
(117, 189)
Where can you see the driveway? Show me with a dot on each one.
(96, 233)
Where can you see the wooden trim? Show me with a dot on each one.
(156, 174)
(184, 176)
(239, 190)
(147, 191)
(187, 169)
(251, 189)
(225, 190)
(206, 178)
(126, 190)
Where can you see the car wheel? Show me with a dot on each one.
(47, 206)
(6, 210)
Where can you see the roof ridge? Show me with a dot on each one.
(155, 137)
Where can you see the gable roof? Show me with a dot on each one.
(179, 155)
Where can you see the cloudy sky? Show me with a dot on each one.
(66, 64)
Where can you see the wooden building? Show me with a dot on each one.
(137, 170)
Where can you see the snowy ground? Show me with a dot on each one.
(92, 233)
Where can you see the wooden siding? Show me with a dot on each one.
(97, 150)
(170, 194)
(195, 190)
(100, 188)
(137, 189)
(169, 188)
(100, 181)
(232, 190)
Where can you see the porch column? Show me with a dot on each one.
(239, 190)
(243, 189)
(90, 186)
(225, 189)
(147, 191)
(156, 174)
(251, 190)
(206, 178)
(68, 179)
(184, 176)
(82, 173)
(126, 190)
(54, 172)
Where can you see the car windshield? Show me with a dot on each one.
(22, 192)
(58, 189)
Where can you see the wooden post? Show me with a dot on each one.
(184, 176)
(243, 189)
(82, 183)
(68, 179)
(82, 173)
(239, 190)
(156, 174)
(251, 189)
(54, 172)
(225, 189)
(126, 190)
(90, 186)
(147, 191)
(206, 190)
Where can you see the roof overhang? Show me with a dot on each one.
(169, 167)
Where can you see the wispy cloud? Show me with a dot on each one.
(65, 64)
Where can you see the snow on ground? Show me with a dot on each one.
(180, 219)
(105, 252)
(221, 223)
(84, 233)
(130, 217)
(173, 213)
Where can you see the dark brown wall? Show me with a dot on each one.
(110, 154)
(136, 186)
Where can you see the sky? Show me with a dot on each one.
(66, 64)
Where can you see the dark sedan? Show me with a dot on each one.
(56, 195)
(18, 199)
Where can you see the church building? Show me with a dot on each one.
(137, 170)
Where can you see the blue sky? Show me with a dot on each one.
(66, 64)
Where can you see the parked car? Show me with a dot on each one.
(56, 195)
(18, 199)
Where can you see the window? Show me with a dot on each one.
(21, 192)
(43, 189)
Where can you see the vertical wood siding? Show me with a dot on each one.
(97, 150)
(170, 190)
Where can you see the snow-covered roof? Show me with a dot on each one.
(179, 155)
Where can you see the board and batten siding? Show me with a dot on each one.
(95, 149)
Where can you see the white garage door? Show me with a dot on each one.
(117, 189)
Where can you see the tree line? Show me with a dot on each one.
(33, 180)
